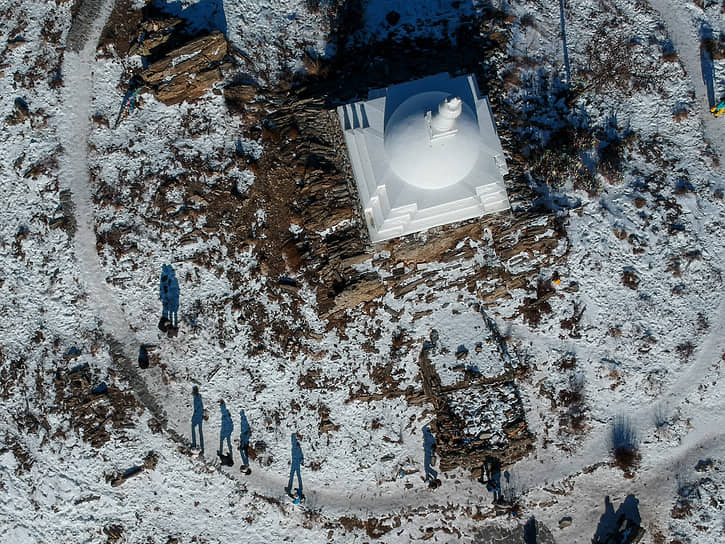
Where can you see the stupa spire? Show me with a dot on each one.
(443, 123)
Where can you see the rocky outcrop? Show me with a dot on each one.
(480, 416)
(154, 33)
(187, 72)
(358, 292)
(238, 95)
(94, 407)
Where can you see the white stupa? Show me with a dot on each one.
(424, 153)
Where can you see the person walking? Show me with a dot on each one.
(197, 419)
(429, 444)
(244, 435)
(164, 296)
(496, 482)
(491, 477)
(169, 295)
(719, 109)
(227, 428)
(297, 460)
(173, 298)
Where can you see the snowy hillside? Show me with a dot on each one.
(129, 143)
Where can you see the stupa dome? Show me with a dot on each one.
(432, 140)
(424, 153)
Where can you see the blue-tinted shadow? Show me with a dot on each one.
(611, 521)
(169, 294)
(204, 16)
(706, 64)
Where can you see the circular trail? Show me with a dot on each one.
(329, 497)
(74, 122)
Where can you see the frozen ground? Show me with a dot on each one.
(648, 343)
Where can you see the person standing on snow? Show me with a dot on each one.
(227, 428)
(169, 295)
(244, 435)
(491, 477)
(429, 443)
(495, 472)
(719, 109)
(196, 419)
(297, 460)
(173, 298)
(164, 296)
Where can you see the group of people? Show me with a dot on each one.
(298, 459)
(169, 294)
(490, 471)
(245, 433)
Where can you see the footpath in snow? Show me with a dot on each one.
(74, 122)
(683, 21)
(329, 496)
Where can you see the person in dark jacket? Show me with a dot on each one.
(297, 460)
(173, 298)
(429, 443)
(227, 428)
(164, 292)
(491, 477)
(196, 419)
(244, 435)
(169, 295)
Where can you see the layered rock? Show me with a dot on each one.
(154, 33)
(187, 72)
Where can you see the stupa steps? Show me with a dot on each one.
(400, 173)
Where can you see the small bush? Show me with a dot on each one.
(528, 20)
(615, 66)
(315, 66)
(669, 53)
(611, 145)
(659, 416)
(573, 420)
(680, 112)
(533, 309)
(552, 131)
(624, 441)
(685, 351)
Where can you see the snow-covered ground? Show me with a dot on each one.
(90, 213)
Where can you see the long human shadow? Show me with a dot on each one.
(530, 531)
(612, 521)
(706, 64)
(567, 69)
(169, 295)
